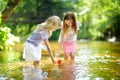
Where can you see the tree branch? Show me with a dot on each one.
(10, 7)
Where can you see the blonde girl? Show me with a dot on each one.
(32, 46)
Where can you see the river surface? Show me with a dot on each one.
(94, 60)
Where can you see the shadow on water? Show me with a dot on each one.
(93, 61)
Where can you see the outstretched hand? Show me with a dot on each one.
(53, 61)
(57, 55)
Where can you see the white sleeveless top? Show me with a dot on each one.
(70, 35)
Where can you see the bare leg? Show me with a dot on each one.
(36, 63)
(66, 56)
(72, 56)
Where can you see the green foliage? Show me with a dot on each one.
(2, 4)
(10, 56)
(6, 38)
(34, 12)
(30, 13)
(96, 16)
(55, 35)
(23, 31)
(83, 33)
(0, 18)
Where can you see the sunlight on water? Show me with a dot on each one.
(93, 61)
(91, 64)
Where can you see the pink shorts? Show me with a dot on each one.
(69, 46)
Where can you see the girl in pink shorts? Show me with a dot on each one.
(68, 36)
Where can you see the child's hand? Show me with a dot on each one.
(53, 61)
(57, 55)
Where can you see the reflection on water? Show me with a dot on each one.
(33, 73)
(67, 71)
(93, 61)
(9, 56)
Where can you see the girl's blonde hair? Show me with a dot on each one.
(69, 16)
(53, 21)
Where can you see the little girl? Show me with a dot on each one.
(68, 36)
(32, 46)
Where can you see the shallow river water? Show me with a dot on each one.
(94, 60)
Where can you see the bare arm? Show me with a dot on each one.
(61, 40)
(49, 50)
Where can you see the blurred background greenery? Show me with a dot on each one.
(95, 57)
(100, 19)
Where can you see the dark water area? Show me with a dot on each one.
(94, 60)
